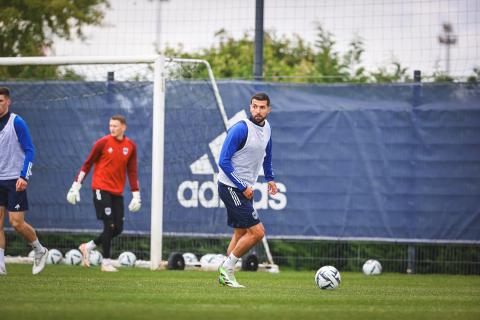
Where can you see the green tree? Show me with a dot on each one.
(475, 78)
(284, 58)
(290, 59)
(396, 73)
(28, 27)
(287, 59)
(441, 77)
(328, 64)
(331, 65)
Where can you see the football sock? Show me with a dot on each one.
(37, 246)
(105, 239)
(230, 262)
(2, 256)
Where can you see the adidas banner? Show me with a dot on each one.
(373, 162)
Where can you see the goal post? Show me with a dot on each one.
(157, 64)
(156, 214)
(157, 128)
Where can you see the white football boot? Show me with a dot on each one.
(39, 261)
(85, 254)
(3, 270)
(107, 266)
(227, 278)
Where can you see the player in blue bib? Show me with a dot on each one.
(247, 147)
(16, 160)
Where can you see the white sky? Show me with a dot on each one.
(405, 30)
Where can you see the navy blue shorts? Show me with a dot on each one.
(11, 199)
(241, 213)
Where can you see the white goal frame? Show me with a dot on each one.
(158, 126)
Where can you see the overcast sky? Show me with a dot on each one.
(401, 30)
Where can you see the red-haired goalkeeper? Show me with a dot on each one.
(113, 157)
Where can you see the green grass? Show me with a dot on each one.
(63, 292)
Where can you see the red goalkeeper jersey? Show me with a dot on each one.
(112, 159)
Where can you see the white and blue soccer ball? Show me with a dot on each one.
(372, 267)
(212, 261)
(95, 258)
(54, 256)
(127, 259)
(190, 258)
(73, 257)
(327, 278)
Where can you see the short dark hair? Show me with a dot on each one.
(261, 96)
(120, 118)
(4, 91)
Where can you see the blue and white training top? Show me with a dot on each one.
(246, 148)
(16, 148)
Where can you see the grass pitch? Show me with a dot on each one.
(65, 292)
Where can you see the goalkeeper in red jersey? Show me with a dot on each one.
(113, 157)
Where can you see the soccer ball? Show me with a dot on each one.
(127, 259)
(95, 258)
(211, 258)
(73, 257)
(327, 277)
(54, 256)
(190, 258)
(372, 267)
(211, 261)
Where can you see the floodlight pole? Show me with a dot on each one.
(448, 39)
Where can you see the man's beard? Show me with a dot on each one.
(258, 122)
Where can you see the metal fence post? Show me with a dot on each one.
(258, 51)
(416, 101)
(417, 88)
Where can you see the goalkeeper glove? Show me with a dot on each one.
(136, 202)
(73, 195)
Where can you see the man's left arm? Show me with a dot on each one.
(23, 135)
(132, 171)
(268, 170)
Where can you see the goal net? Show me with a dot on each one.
(175, 116)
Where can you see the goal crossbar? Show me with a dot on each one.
(16, 61)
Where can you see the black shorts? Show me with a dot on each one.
(13, 200)
(108, 206)
(240, 210)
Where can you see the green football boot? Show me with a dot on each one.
(228, 279)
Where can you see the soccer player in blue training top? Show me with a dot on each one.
(247, 147)
(16, 160)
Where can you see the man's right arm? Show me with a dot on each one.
(73, 195)
(94, 155)
(234, 141)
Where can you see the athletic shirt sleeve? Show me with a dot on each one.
(26, 144)
(267, 162)
(235, 140)
(95, 153)
(132, 169)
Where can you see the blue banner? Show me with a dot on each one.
(380, 162)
